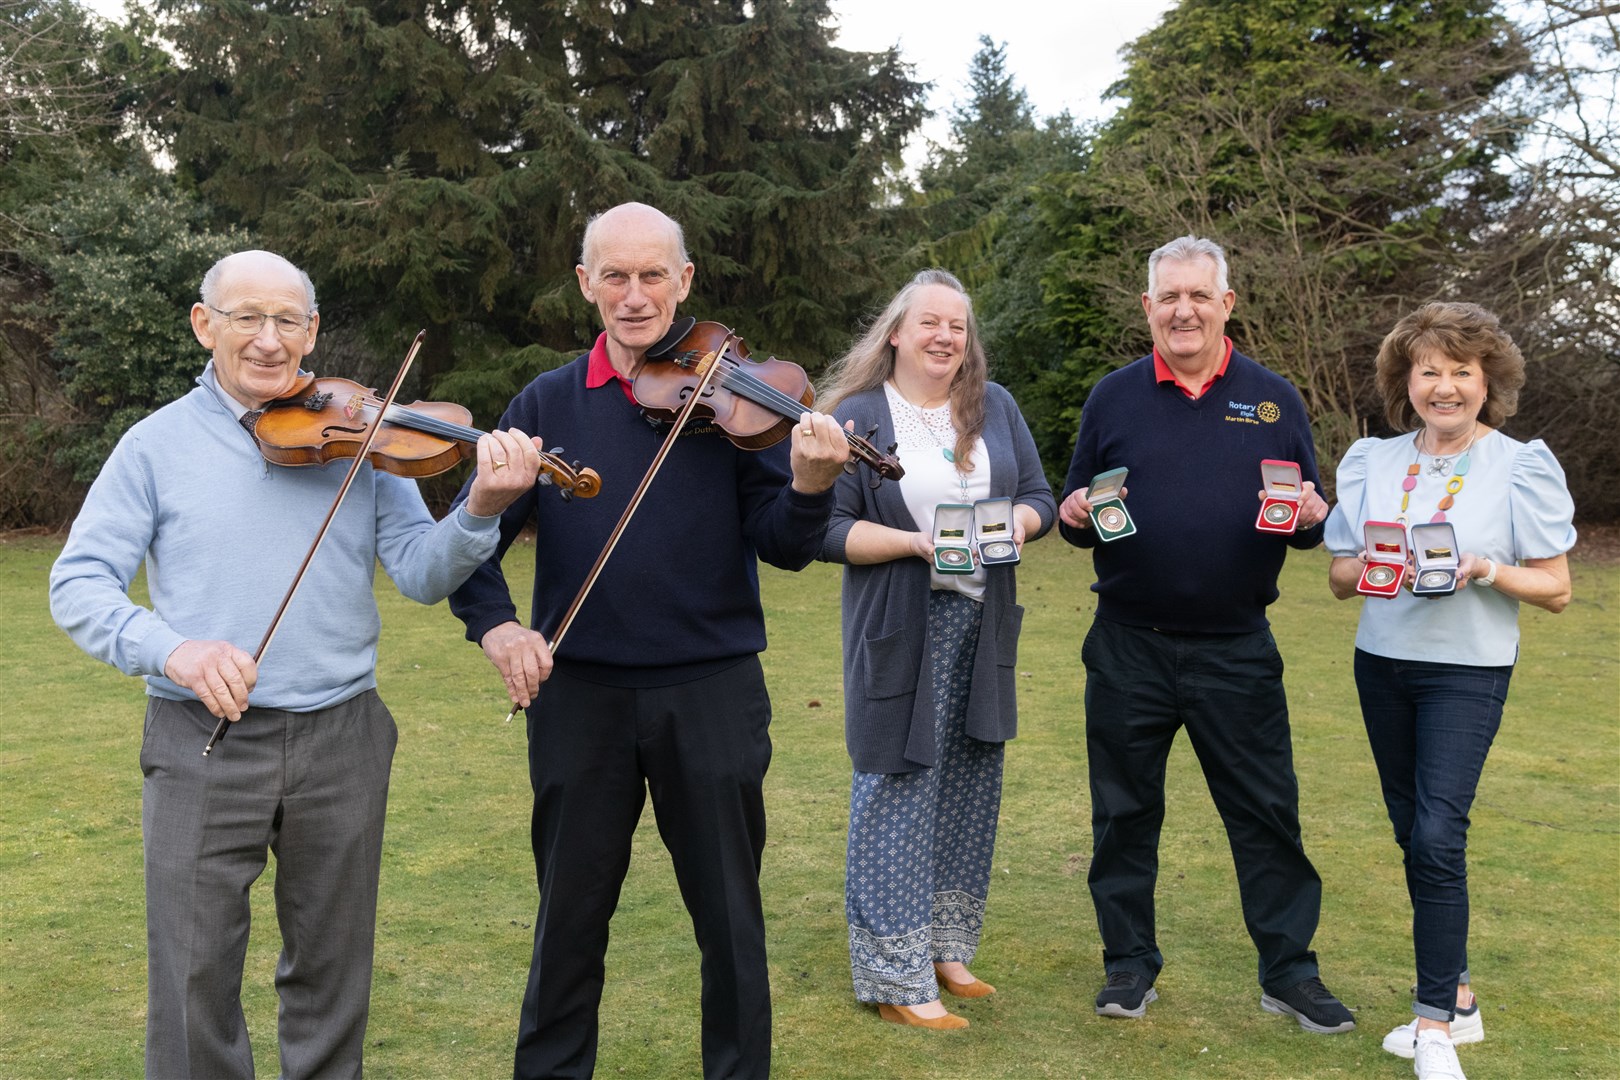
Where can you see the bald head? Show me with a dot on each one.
(258, 319)
(254, 265)
(634, 268)
(648, 223)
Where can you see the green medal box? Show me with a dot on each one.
(953, 548)
(1108, 514)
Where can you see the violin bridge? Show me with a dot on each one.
(354, 406)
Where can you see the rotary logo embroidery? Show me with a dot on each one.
(1244, 413)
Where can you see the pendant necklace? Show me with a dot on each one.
(1438, 466)
(945, 450)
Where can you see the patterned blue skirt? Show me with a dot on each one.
(920, 843)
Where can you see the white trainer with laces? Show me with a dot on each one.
(1467, 1026)
(1434, 1058)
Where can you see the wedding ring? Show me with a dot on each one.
(807, 431)
(499, 464)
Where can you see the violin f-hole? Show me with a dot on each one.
(326, 432)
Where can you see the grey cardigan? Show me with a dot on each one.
(888, 696)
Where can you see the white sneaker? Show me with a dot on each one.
(1466, 1027)
(1434, 1058)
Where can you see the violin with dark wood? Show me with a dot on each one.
(322, 420)
(755, 403)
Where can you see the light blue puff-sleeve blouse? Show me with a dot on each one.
(1514, 505)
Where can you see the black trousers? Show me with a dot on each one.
(1227, 691)
(701, 748)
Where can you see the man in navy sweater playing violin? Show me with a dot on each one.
(1180, 638)
(658, 684)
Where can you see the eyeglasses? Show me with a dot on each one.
(251, 322)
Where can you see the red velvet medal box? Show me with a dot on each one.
(1279, 512)
(1386, 558)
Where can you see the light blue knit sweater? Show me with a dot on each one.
(222, 532)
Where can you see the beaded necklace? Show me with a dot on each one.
(1440, 466)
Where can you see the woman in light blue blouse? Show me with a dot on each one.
(1432, 671)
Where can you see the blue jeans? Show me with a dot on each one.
(1430, 727)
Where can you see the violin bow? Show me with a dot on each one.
(710, 365)
(224, 724)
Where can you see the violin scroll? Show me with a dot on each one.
(571, 479)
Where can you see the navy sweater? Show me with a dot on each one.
(1196, 564)
(680, 594)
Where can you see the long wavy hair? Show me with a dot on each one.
(870, 362)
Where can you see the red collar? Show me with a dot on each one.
(1163, 374)
(599, 370)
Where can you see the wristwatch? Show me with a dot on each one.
(1489, 579)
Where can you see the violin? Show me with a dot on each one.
(321, 420)
(756, 403)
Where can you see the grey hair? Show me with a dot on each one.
(587, 247)
(1185, 249)
(210, 282)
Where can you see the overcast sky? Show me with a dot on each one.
(1063, 55)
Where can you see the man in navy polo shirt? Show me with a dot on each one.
(1181, 639)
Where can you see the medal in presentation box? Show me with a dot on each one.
(993, 531)
(1434, 559)
(1386, 558)
(953, 548)
(1279, 512)
(1107, 508)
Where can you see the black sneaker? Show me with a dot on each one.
(1126, 995)
(1313, 1005)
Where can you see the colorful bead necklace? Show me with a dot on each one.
(1440, 466)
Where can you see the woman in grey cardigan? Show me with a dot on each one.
(928, 656)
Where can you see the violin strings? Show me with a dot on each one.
(432, 425)
(446, 429)
(764, 394)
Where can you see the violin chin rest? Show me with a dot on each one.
(677, 332)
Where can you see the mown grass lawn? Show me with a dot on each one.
(458, 888)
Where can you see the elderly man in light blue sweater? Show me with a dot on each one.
(305, 773)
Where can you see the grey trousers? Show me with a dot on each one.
(313, 789)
